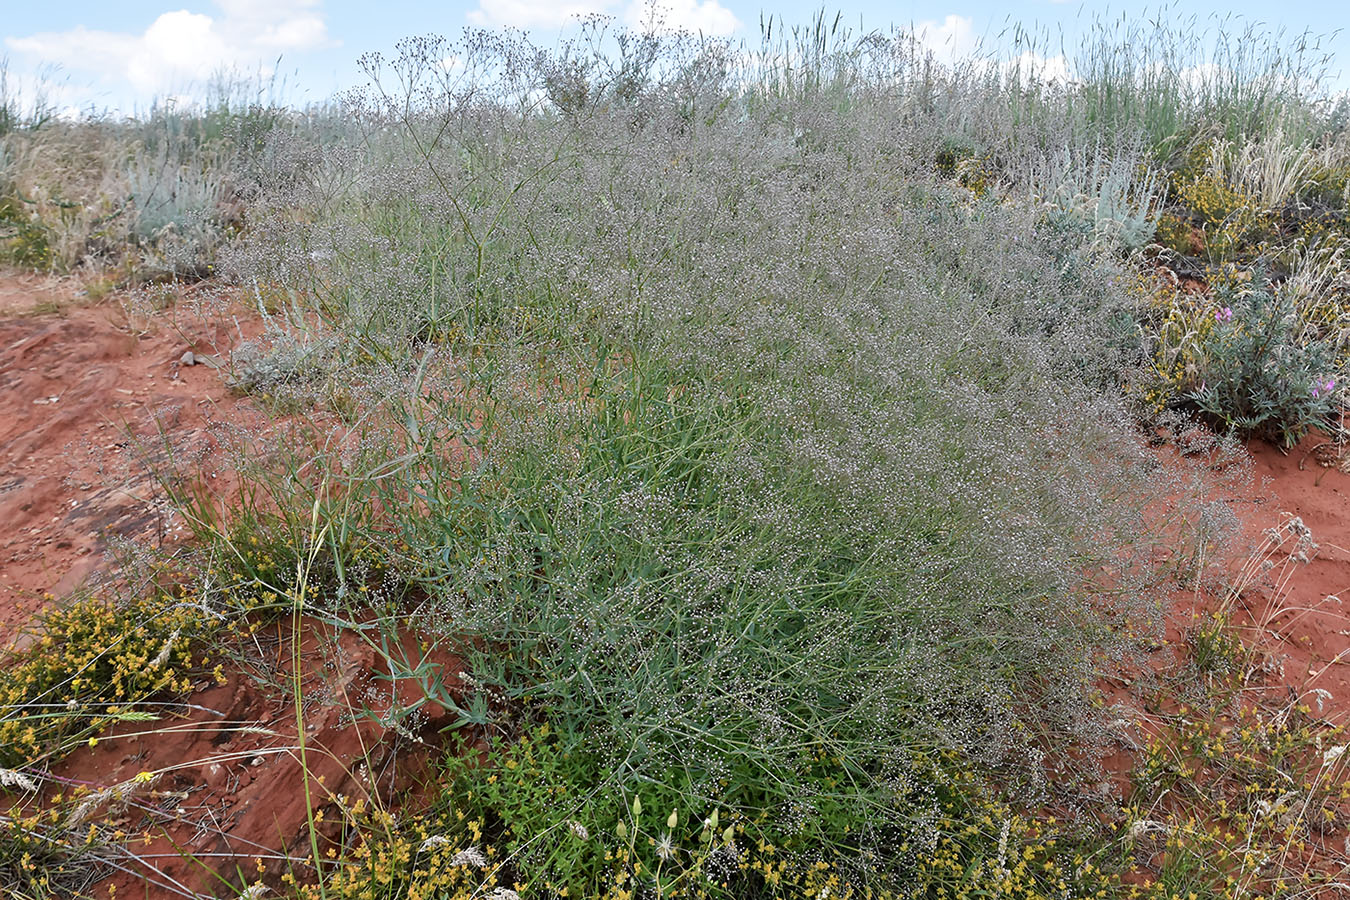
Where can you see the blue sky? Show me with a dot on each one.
(120, 56)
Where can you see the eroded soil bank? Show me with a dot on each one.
(94, 397)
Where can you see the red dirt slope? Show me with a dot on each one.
(86, 392)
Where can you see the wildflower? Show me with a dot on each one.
(1003, 833)
(1223, 315)
(665, 848)
(1141, 827)
(579, 830)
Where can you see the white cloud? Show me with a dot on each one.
(1032, 66)
(531, 13)
(952, 40)
(182, 47)
(1206, 73)
(708, 16)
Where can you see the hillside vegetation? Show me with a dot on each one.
(765, 430)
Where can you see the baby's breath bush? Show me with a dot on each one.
(749, 419)
(757, 461)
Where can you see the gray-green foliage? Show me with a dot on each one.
(726, 436)
(1117, 195)
(1257, 376)
(176, 206)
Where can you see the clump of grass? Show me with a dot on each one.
(157, 195)
(1172, 79)
(794, 484)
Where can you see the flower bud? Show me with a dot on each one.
(673, 820)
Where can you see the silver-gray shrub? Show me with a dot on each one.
(735, 435)
(175, 208)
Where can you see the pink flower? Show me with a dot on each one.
(1223, 315)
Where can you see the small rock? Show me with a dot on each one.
(214, 775)
(188, 359)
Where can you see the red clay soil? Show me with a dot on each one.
(230, 804)
(87, 392)
(1288, 613)
(1293, 612)
(1307, 625)
(92, 397)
